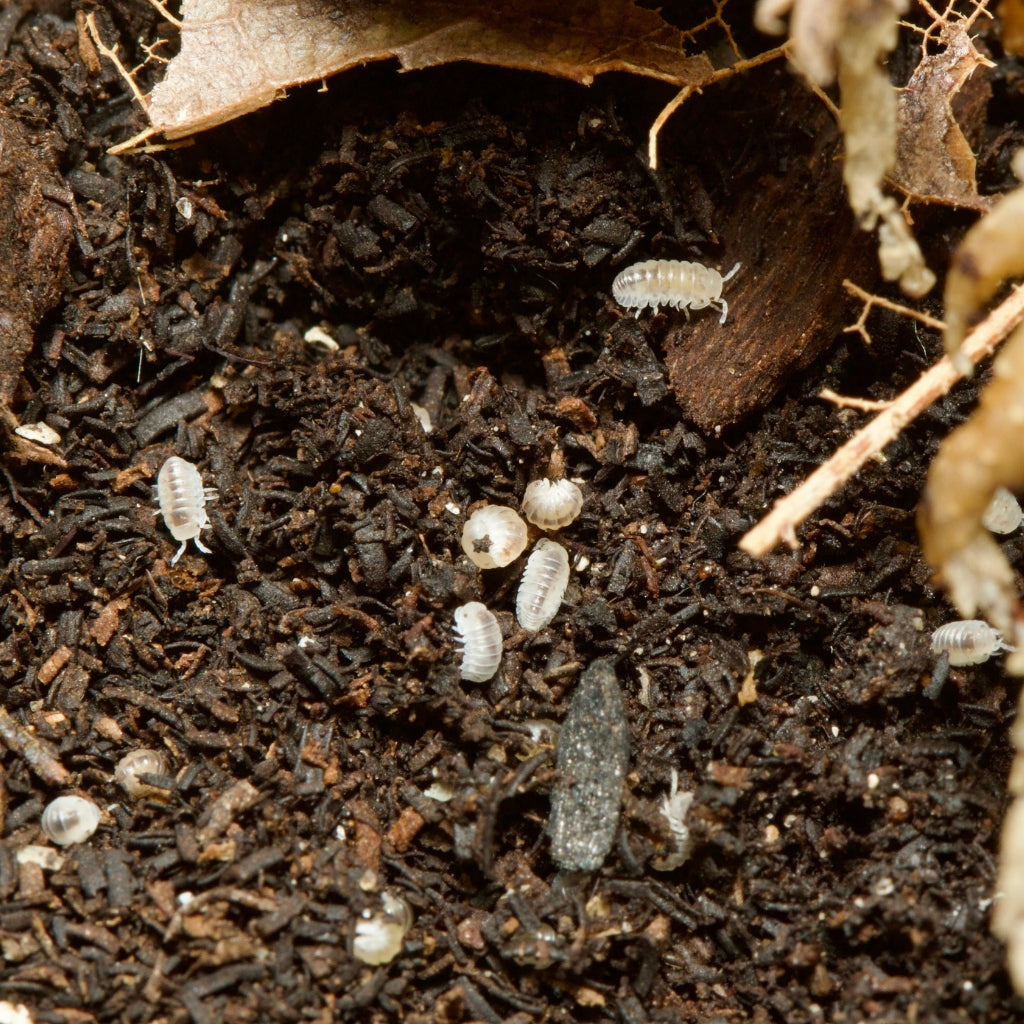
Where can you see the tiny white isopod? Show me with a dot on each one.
(543, 585)
(136, 763)
(182, 498)
(70, 819)
(552, 504)
(494, 536)
(1003, 514)
(480, 637)
(968, 642)
(676, 283)
(377, 937)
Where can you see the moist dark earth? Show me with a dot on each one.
(455, 233)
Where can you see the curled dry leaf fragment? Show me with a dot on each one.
(239, 55)
(934, 162)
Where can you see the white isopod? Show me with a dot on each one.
(676, 283)
(968, 642)
(543, 585)
(136, 763)
(70, 819)
(377, 937)
(480, 637)
(494, 536)
(1003, 514)
(552, 504)
(182, 498)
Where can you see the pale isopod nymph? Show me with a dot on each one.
(552, 504)
(70, 819)
(182, 498)
(968, 642)
(676, 283)
(494, 536)
(136, 763)
(543, 585)
(480, 637)
(377, 938)
(1003, 514)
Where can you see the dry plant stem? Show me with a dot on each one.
(162, 8)
(111, 55)
(895, 307)
(36, 752)
(687, 91)
(780, 524)
(847, 402)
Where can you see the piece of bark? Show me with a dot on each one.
(796, 239)
(35, 234)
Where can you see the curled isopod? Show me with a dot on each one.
(480, 637)
(968, 642)
(676, 283)
(182, 498)
(543, 585)
(552, 504)
(494, 536)
(136, 763)
(70, 819)
(378, 937)
(1003, 514)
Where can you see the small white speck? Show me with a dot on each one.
(184, 208)
(339, 833)
(815, 591)
(873, 781)
(321, 339)
(453, 509)
(41, 433)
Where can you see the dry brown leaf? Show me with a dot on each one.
(239, 55)
(934, 162)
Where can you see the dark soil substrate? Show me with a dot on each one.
(456, 231)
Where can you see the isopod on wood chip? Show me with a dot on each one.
(1003, 514)
(543, 585)
(552, 504)
(592, 759)
(136, 763)
(494, 536)
(480, 637)
(675, 283)
(968, 642)
(182, 498)
(70, 819)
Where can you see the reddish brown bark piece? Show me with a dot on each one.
(796, 240)
(239, 55)
(34, 237)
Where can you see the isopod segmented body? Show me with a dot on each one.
(494, 536)
(480, 637)
(552, 504)
(968, 642)
(675, 283)
(543, 585)
(70, 819)
(128, 772)
(182, 498)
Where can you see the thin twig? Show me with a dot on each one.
(848, 402)
(111, 55)
(780, 524)
(688, 90)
